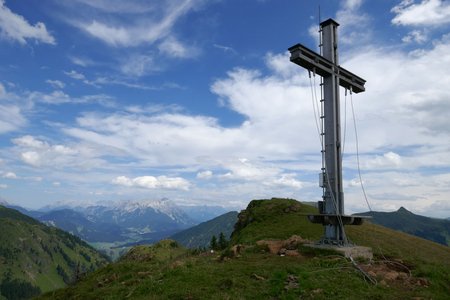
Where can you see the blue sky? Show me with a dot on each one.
(197, 101)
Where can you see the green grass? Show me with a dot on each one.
(197, 277)
(166, 271)
(31, 251)
(275, 219)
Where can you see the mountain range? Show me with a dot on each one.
(201, 234)
(114, 227)
(437, 230)
(269, 258)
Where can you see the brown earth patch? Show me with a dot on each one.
(393, 273)
(286, 247)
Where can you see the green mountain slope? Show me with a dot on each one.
(35, 255)
(404, 266)
(437, 230)
(200, 235)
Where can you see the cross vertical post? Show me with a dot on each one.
(331, 209)
(334, 195)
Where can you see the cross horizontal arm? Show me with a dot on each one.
(312, 61)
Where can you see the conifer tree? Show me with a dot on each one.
(213, 243)
(223, 243)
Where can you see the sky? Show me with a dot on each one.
(196, 101)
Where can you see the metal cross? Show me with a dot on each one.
(331, 209)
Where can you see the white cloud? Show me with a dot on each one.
(59, 97)
(29, 141)
(2, 91)
(17, 28)
(12, 111)
(440, 208)
(142, 30)
(352, 183)
(32, 158)
(75, 75)
(11, 118)
(151, 182)
(9, 175)
(395, 112)
(61, 149)
(226, 49)
(425, 13)
(3, 186)
(81, 77)
(111, 35)
(166, 138)
(204, 174)
(81, 61)
(119, 6)
(417, 36)
(123, 180)
(134, 71)
(280, 64)
(152, 109)
(243, 169)
(35, 178)
(287, 180)
(55, 97)
(57, 84)
(138, 65)
(352, 4)
(174, 48)
(386, 161)
(354, 23)
(47, 156)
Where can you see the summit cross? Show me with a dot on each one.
(331, 209)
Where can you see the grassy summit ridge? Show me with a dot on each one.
(168, 271)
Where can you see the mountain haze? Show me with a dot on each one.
(78, 224)
(202, 213)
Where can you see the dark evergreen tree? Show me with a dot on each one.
(213, 243)
(223, 243)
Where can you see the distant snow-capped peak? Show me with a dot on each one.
(124, 207)
(164, 206)
(142, 204)
(73, 204)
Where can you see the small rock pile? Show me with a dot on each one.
(287, 247)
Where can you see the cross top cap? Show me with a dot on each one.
(328, 22)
